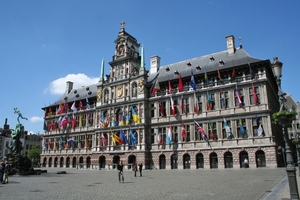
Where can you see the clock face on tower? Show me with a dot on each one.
(120, 91)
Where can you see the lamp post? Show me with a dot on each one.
(290, 168)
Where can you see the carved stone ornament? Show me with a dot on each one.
(99, 95)
(141, 85)
(120, 91)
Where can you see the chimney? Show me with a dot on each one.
(6, 126)
(69, 87)
(230, 44)
(154, 64)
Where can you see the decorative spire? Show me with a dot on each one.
(102, 71)
(142, 59)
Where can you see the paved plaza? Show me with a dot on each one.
(205, 184)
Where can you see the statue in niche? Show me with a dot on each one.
(106, 96)
(141, 85)
(134, 90)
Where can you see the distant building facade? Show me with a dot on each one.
(212, 111)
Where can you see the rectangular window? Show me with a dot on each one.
(252, 93)
(153, 110)
(213, 101)
(224, 100)
(175, 134)
(188, 132)
(186, 105)
(199, 103)
(153, 136)
(212, 130)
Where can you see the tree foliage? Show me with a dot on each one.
(34, 154)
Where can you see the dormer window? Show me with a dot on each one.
(121, 50)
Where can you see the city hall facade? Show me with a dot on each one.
(211, 111)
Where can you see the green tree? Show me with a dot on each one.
(34, 154)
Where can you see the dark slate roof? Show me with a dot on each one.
(240, 57)
(78, 93)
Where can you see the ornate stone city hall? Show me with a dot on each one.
(212, 111)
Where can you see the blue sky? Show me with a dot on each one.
(43, 44)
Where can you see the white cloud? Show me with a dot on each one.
(35, 119)
(58, 86)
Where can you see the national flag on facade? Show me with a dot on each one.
(159, 137)
(123, 137)
(209, 103)
(81, 105)
(172, 106)
(45, 126)
(135, 117)
(87, 142)
(183, 134)
(180, 84)
(260, 131)
(182, 106)
(73, 107)
(50, 112)
(252, 75)
(201, 131)
(222, 99)
(127, 119)
(210, 131)
(219, 74)
(233, 75)
(103, 140)
(60, 142)
(88, 106)
(64, 121)
(116, 139)
(169, 135)
(73, 121)
(196, 104)
(49, 144)
(155, 88)
(79, 142)
(43, 143)
(205, 78)
(58, 110)
(50, 126)
(227, 129)
(193, 83)
(121, 119)
(239, 97)
(54, 144)
(161, 109)
(254, 95)
(242, 130)
(133, 139)
(169, 87)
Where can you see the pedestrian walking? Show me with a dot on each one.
(135, 169)
(6, 171)
(2, 166)
(141, 168)
(120, 169)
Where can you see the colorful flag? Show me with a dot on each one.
(227, 129)
(87, 103)
(59, 121)
(73, 107)
(252, 75)
(64, 121)
(54, 144)
(182, 106)
(73, 121)
(45, 126)
(103, 140)
(81, 105)
(254, 95)
(60, 142)
(50, 126)
(201, 131)
(210, 130)
(159, 137)
(219, 74)
(155, 88)
(242, 130)
(80, 120)
(196, 104)
(116, 139)
(169, 136)
(121, 119)
(87, 142)
(123, 137)
(133, 139)
(222, 99)
(183, 134)
(170, 88)
(58, 110)
(193, 83)
(50, 112)
(205, 78)
(172, 106)
(209, 103)
(180, 84)
(232, 78)
(49, 144)
(43, 143)
(135, 117)
(239, 96)
(260, 131)
(161, 109)
(127, 118)
(79, 142)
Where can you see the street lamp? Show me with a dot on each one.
(290, 168)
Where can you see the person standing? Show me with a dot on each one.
(246, 163)
(120, 169)
(141, 168)
(135, 169)
(6, 171)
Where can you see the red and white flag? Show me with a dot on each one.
(172, 106)
(183, 132)
(196, 104)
